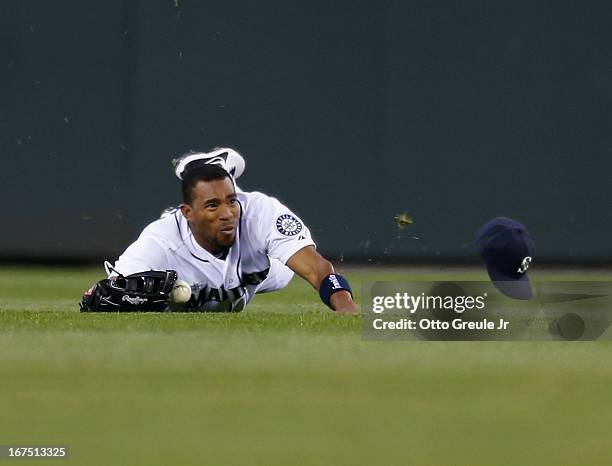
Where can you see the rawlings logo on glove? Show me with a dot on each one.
(136, 301)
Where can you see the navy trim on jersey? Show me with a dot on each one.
(196, 257)
(178, 225)
(238, 239)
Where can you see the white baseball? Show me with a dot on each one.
(181, 293)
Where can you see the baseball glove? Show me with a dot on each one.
(144, 291)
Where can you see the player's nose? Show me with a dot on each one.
(225, 212)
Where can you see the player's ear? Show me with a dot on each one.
(187, 211)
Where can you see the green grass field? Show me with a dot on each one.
(286, 383)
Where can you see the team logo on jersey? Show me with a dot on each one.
(288, 225)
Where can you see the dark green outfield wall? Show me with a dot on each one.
(349, 111)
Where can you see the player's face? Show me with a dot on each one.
(213, 214)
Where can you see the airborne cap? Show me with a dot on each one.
(507, 249)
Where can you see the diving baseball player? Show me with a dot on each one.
(226, 244)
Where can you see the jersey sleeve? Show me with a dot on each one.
(282, 231)
(146, 253)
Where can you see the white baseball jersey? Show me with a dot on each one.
(268, 234)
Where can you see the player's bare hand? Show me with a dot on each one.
(353, 311)
(343, 303)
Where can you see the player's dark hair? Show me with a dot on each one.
(206, 172)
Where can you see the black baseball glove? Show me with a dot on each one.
(144, 291)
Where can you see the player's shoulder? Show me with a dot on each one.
(169, 229)
(255, 200)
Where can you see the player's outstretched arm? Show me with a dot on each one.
(319, 272)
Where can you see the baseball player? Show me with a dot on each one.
(228, 245)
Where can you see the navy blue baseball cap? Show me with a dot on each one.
(507, 249)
